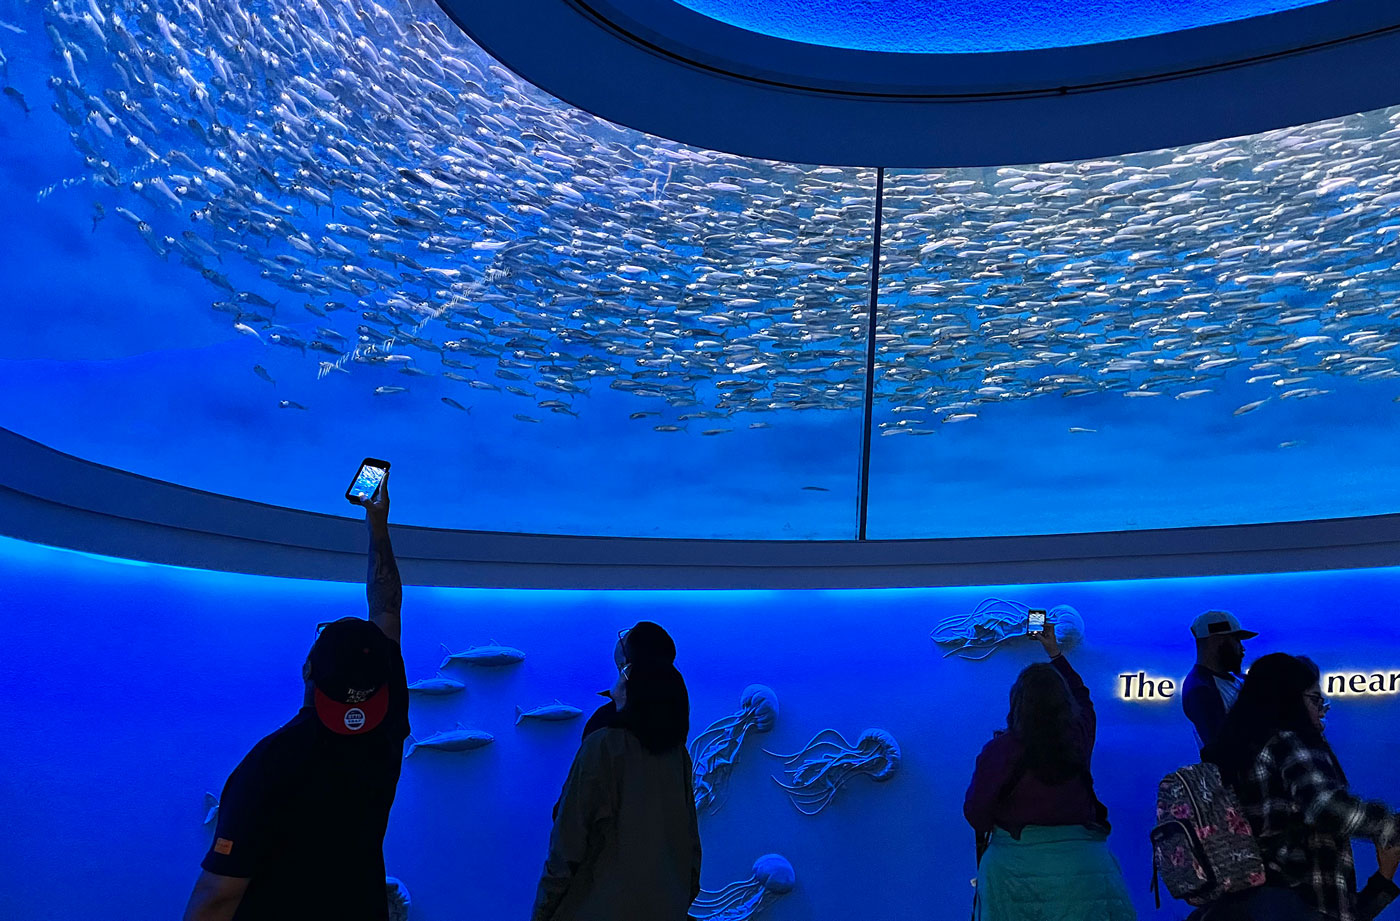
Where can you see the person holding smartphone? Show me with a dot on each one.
(302, 818)
(1042, 832)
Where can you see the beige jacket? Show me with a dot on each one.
(626, 844)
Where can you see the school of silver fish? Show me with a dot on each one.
(361, 185)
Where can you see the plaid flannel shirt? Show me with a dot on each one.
(1304, 817)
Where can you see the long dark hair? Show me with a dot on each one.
(1270, 702)
(1043, 718)
(657, 709)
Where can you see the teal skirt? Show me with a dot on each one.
(1053, 873)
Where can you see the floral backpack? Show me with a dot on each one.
(1202, 845)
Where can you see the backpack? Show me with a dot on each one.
(1202, 845)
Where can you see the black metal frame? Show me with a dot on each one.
(870, 347)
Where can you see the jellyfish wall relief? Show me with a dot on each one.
(828, 761)
(772, 877)
(714, 751)
(399, 900)
(995, 622)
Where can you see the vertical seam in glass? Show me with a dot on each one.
(870, 355)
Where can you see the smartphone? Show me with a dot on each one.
(1037, 620)
(367, 480)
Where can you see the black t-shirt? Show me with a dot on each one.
(303, 818)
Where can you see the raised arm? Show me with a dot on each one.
(383, 588)
(1077, 687)
(1088, 721)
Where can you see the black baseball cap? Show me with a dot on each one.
(351, 663)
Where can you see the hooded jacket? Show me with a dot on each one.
(626, 842)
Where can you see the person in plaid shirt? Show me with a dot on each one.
(1272, 752)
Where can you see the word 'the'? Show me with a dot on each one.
(1137, 686)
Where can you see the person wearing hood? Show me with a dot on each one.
(626, 841)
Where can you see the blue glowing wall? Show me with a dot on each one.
(132, 689)
(960, 26)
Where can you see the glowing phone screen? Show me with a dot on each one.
(367, 481)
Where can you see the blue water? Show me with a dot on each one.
(114, 354)
(960, 26)
(132, 689)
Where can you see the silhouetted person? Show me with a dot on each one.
(1042, 831)
(626, 844)
(300, 833)
(1272, 753)
(1212, 685)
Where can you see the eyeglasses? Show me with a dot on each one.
(625, 669)
(1319, 701)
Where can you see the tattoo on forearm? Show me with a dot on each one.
(383, 586)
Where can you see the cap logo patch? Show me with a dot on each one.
(354, 719)
(223, 846)
(1220, 626)
(353, 696)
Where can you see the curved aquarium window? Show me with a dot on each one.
(1198, 336)
(252, 244)
(977, 26)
